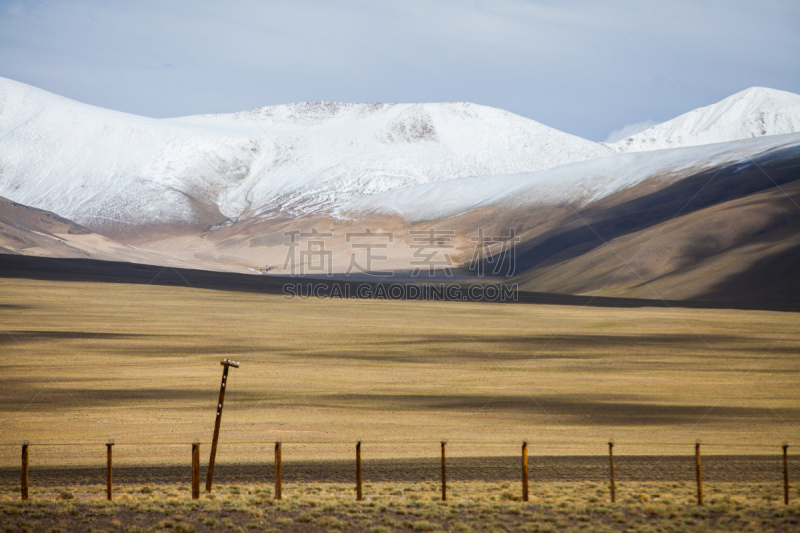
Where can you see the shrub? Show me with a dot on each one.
(331, 522)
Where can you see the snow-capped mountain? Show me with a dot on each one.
(97, 166)
(103, 168)
(754, 112)
(716, 188)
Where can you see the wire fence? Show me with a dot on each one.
(139, 464)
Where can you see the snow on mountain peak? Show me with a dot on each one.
(100, 167)
(91, 164)
(754, 112)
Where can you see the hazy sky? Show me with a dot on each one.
(585, 67)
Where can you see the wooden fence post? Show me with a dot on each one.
(24, 483)
(359, 494)
(699, 474)
(196, 471)
(611, 465)
(109, 487)
(524, 471)
(226, 364)
(444, 473)
(786, 474)
(278, 471)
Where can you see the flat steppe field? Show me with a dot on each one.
(403, 508)
(88, 363)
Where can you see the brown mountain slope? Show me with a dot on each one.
(26, 230)
(732, 233)
(30, 231)
(686, 256)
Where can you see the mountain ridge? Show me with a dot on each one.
(753, 112)
(97, 166)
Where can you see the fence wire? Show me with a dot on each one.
(141, 464)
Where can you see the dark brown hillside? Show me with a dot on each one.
(685, 257)
(730, 233)
(607, 219)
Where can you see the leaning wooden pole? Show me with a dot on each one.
(444, 473)
(196, 471)
(699, 474)
(109, 487)
(359, 494)
(786, 474)
(278, 472)
(611, 471)
(210, 477)
(524, 471)
(24, 482)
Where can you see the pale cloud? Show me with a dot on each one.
(631, 129)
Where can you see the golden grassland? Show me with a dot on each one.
(92, 362)
(473, 506)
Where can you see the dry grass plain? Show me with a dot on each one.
(389, 508)
(90, 362)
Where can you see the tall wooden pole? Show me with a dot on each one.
(699, 474)
(786, 474)
(196, 471)
(278, 471)
(359, 494)
(525, 471)
(226, 364)
(24, 483)
(611, 464)
(444, 473)
(109, 488)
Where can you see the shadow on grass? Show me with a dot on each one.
(19, 335)
(523, 347)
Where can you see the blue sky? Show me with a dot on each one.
(585, 67)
